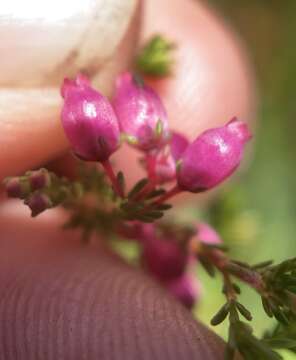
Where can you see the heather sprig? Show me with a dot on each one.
(41, 190)
(272, 282)
(99, 201)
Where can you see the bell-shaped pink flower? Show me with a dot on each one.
(164, 258)
(186, 289)
(213, 156)
(141, 114)
(89, 120)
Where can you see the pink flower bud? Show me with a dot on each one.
(165, 167)
(186, 289)
(38, 203)
(213, 156)
(207, 234)
(39, 179)
(164, 258)
(141, 114)
(89, 121)
(166, 159)
(13, 187)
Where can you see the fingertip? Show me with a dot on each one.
(30, 129)
(83, 304)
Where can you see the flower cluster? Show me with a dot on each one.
(95, 127)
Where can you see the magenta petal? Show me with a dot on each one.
(69, 84)
(165, 167)
(212, 157)
(165, 159)
(178, 145)
(141, 114)
(89, 121)
(239, 128)
(207, 234)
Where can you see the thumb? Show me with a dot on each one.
(41, 47)
(62, 301)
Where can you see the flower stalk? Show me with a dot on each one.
(112, 177)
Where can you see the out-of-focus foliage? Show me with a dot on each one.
(257, 214)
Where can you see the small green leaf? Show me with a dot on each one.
(281, 343)
(267, 306)
(155, 193)
(281, 317)
(207, 266)
(236, 288)
(220, 315)
(121, 181)
(241, 264)
(154, 214)
(163, 207)
(217, 246)
(145, 219)
(244, 311)
(262, 265)
(138, 187)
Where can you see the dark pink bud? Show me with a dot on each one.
(39, 179)
(89, 121)
(141, 114)
(207, 234)
(38, 203)
(164, 258)
(17, 187)
(186, 289)
(13, 187)
(213, 156)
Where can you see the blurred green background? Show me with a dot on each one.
(256, 213)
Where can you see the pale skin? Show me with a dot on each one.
(212, 82)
